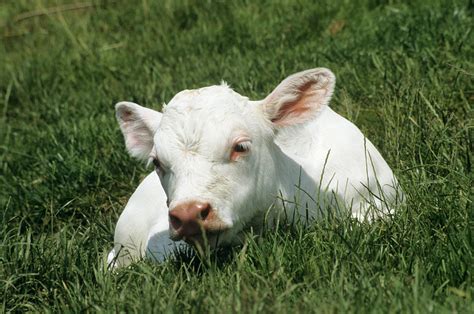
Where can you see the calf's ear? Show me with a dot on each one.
(138, 125)
(299, 97)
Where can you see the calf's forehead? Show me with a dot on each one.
(209, 115)
(216, 107)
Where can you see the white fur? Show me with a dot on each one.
(305, 161)
(145, 217)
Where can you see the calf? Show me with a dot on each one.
(223, 163)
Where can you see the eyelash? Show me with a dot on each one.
(241, 147)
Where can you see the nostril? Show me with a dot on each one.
(175, 222)
(205, 212)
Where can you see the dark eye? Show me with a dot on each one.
(156, 163)
(241, 148)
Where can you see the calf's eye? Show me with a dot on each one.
(240, 148)
(158, 167)
(156, 163)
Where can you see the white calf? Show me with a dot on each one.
(224, 161)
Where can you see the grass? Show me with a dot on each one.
(405, 76)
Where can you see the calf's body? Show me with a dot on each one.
(223, 163)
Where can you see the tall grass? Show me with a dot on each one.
(405, 77)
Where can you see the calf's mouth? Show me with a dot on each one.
(205, 239)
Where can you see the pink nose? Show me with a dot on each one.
(187, 218)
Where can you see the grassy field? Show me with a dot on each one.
(405, 75)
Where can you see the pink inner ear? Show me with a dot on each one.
(126, 115)
(299, 109)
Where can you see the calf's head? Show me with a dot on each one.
(215, 153)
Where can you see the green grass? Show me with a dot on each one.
(405, 76)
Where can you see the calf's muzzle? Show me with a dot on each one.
(188, 219)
